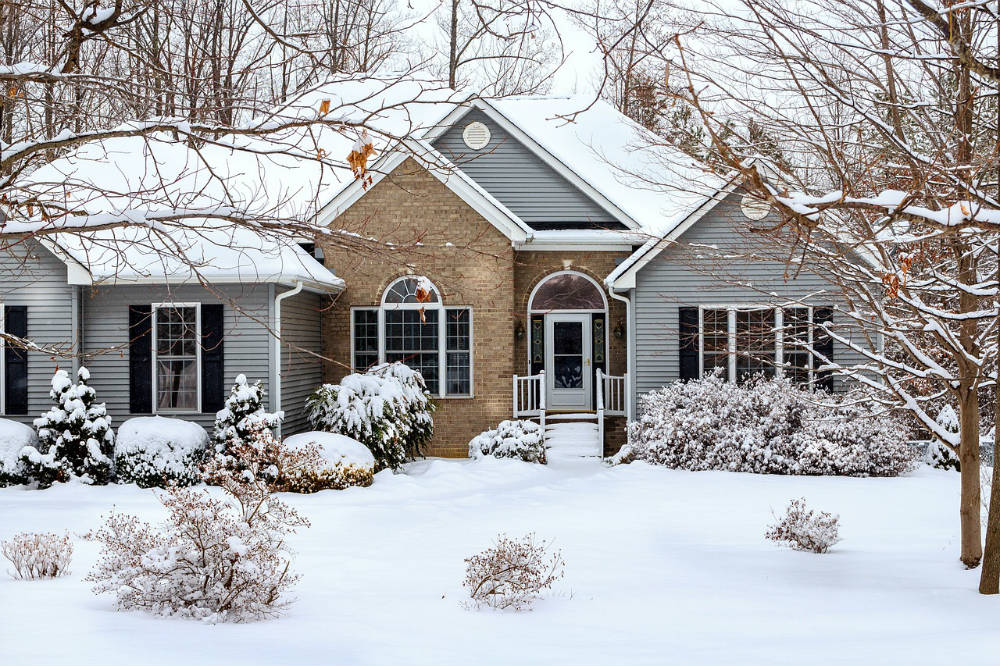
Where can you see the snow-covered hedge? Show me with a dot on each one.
(14, 437)
(511, 439)
(767, 426)
(156, 451)
(939, 454)
(388, 409)
(75, 436)
(343, 462)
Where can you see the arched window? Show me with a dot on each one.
(567, 290)
(413, 326)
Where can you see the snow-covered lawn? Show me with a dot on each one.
(662, 566)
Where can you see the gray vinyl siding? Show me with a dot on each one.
(301, 372)
(684, 275)
(32, 276)
(521, 181)
(105, 333)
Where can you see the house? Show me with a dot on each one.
(536, 257)
(544, 270)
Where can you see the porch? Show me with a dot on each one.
(571, 433)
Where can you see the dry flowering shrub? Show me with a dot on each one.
(38, 555)
(511, 573)
(804, 529)
(218, 559)
(302, 469)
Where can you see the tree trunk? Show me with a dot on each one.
(968, 455)
(453, 46)
(989, 578)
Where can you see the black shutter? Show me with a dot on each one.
(16, 358)
(823, 344)
(687, 322)
(140, 359)
(212, 358)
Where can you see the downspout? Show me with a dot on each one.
(276, 389)
(629, 361)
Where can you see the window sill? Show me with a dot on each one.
(454, 397)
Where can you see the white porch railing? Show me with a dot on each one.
(529, 397)
(612, 398)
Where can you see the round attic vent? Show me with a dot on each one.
(476, 135)
(754, 208)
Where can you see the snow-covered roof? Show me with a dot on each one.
(653, 184)
(649, 186)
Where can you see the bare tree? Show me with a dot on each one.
(871, 128)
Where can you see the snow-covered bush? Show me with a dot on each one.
(156, 451)
(335, 462)
(804, 529)
(218, 559)
(242, 414)
(75, 439)
(939, 454)
(388, 409)
(767, 426)
(14, 437)
(38, 555)
(511, 439)
(512, 573)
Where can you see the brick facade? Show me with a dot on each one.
(472, 264)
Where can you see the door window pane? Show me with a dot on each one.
(567, 354)
(567, 291)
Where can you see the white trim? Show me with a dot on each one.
(197, 352)
(276, 388)
(623, 277)
(597, 286)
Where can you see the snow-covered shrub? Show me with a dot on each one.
(767, 426)
(218, 559)
(75, 439)
(38, 555)
(14, 437)
(511, 573)
(804, 529)
(939, 454)
(511, 439)
(156, 451)
(242, 414)
(334, 462)
(388, 409)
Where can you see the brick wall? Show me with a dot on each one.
(407, 207)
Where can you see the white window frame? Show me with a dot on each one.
(779, 324)
(442, 349)
(197, 350)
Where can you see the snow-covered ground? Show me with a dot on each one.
(662, 566)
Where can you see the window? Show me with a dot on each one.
(176, 357)
(413, 326)
(744, 341)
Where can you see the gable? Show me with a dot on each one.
(522, 181)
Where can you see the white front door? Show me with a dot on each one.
(568, 367)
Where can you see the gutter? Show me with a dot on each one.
(629, 354)
(276, 389)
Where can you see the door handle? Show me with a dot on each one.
(588, 362)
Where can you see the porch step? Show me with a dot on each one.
(571, 416)
(572, 440)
